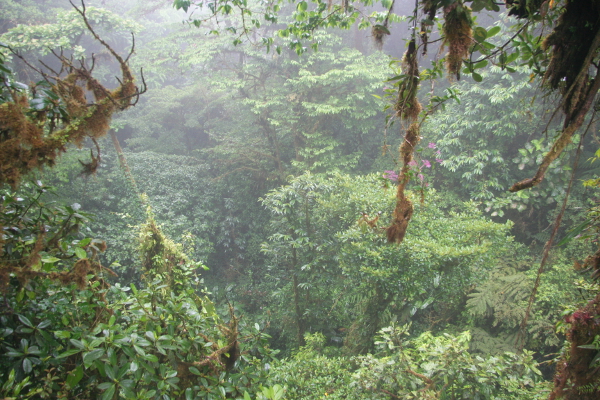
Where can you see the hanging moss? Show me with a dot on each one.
(27, 144)
(458, 35)
(407, 105)
(404, 208)
(429, 9)
(573, 48)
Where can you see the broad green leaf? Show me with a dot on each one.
(68, 353)
(194, 370)
(105, 385)
(74, 376)
(90, 357)
(480, 34)
(493, 31)
(27, 365)
(108, 394)
(481, 64)
(25, 321)
(80, 253)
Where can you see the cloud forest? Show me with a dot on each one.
(299, 200)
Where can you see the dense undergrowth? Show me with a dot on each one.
(231, 239)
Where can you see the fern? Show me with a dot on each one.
(502, 295)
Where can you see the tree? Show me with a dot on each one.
(66, 331)
(330, 265)
(36, 130)
(565, 62)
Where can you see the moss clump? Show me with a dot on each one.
(404, 207)
(573, 48)
(576, 377)
(407, 105)
(163, 259)
(458, 35)
(29, 141)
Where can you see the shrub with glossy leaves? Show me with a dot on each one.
(85, 338)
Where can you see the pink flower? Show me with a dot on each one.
(431, 145)
(421, 177)
(412, 163)
(438, 153)
(391, 175)
(439, 160)
(426, 163)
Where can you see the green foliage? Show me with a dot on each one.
(189, 216)
(488, 147)
(330, 270)
(425, 367)
(16, 12)
(497, 297)
(498, 305)
(434, 367)
(312, 375)
(44, 239)
(65, 32)
(261, 114)
(133, 344)
(72, 338)
(247, 17)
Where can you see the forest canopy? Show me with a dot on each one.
(309, 199)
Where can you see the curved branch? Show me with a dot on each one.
(563, 140)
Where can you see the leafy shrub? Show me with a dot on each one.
(312, 375)
(440, 367)
(75, 335)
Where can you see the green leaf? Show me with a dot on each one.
(25, 320)
(480, 34)
(139, 350)
(481, 64)
(44, 324)
(77, 343)
(134, 366)
(302, 6)
(27, 366)
(110, 372)
(90, 357)
(108, 394)
(493, 31)
(105, 385)
(74, 377)
(151, 358)
(574, 232)
(68, 353)
(477, 77)
(80, 253)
